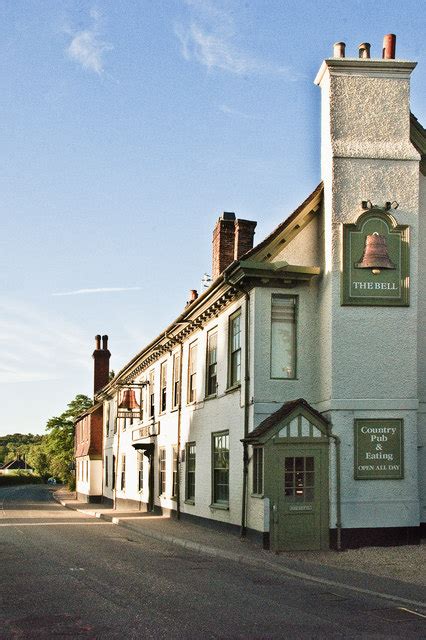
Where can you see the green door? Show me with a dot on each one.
(299, 513)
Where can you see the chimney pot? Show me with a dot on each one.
(339, 49)
(228, 215)
(364, 50)
(105, 343)
(98, 342)
(193, 295)
(389, 46)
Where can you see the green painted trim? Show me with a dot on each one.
(231, 386)
(393, 229)
(298, 411)
(282, 519)
(218, 505)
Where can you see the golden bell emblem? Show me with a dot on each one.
(128, 400)
(375, 256)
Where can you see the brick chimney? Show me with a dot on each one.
(231, 239)
(101, 357)
(244, 235)
(223, 243)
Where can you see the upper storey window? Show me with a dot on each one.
(192, 372)
(283, 336)
(234, 365)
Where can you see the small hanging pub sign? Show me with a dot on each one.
(375, 261)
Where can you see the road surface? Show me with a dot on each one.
(66, 575)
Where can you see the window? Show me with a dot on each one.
(106, 471)
(176, 380)
(140, 471)
(234, 349)
(151, 393)
(221, 468)
(258, 470)
(190, 471)
(162, 472)
(163, 387)
(107, 416)
(113, 473)
(283, 336)
(192, 372)
(211, 366)
(299, 479)
(123, 472)
(141, 409)
(175, 472)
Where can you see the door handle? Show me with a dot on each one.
(274, 514)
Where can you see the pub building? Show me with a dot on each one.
(287, 402)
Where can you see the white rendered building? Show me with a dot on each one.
(288, 401)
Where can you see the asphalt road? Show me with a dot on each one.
(65, 575)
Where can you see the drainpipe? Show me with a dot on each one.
(179, 434)
(243, 528)
(117, 458)
(338, 501)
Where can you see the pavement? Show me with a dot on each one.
(393, 573)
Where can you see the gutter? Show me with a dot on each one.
(243, 528)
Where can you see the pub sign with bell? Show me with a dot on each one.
(375, 261)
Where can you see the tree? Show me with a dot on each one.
(59, 441)
(50, 454)
(38, 459)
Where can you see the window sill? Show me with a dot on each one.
(212, 396)
(234, 387)
(221, 507)
(257, 495)
(191, 502)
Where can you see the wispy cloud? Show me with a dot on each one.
(78, 292)
(235, 112)
(87, 46)
(209, 37)
(31, 340)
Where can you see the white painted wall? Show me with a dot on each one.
(367, 155)
(198, 421)
(421, 367)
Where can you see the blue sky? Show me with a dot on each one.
(126, 129)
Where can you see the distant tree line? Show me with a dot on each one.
(50, 454)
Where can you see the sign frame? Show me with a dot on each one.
(354, 234)
(359, 450)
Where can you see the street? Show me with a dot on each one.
(66, 575)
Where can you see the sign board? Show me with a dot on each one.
(146, 432)
(378, 449)
(375, 261)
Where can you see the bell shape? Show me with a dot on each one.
(128, 400)
(375, 254)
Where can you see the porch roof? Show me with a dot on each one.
(283, 412)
